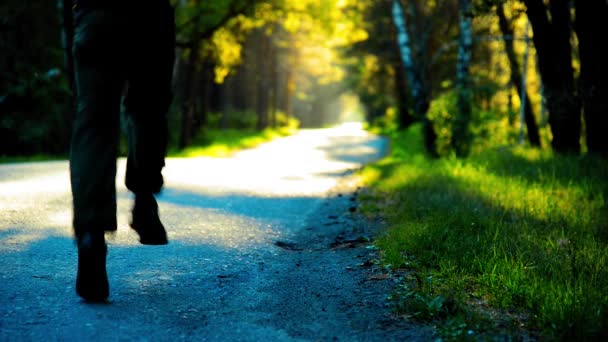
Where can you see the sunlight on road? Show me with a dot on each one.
(303, 165)
(250, 197)
(57, 182)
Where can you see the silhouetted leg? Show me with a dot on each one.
(150, 68)
(96, 124)
(94, 147)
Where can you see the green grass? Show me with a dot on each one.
(220, 143)
(521, 229)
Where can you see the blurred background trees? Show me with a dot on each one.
(460, 67)
(34, 93)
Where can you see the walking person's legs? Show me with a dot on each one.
(113, 45)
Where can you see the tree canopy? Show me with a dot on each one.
(255, 64)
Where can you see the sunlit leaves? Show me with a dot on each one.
(311, 29)
(227, 50)
(318, 28)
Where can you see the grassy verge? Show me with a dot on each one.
(220, 143)
(514, 230)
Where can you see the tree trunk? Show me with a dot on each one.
(290, 90)
(189, 101)
(552, 41)
(405, 117)
(68, 40)
(417, 87)
(273, 72)
(405, 49)
(205, 86)
(461, 138)
(67, 24)
(516, 76)
(263, 82)
(591, 28)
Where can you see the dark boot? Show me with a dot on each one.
(146, 223)
(92, 279)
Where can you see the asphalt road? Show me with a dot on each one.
(263, 247)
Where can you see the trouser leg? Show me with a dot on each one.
(150, 67)
(147, 137)
(96, 126)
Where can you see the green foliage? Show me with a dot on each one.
(233, 119)
(226, 133)
(247, 120)
(372, 80)
(518, 228)
(420, 303)
(287, 122)
(34, 118)
(221, 143)
(441, 112)
(195, 17)
(34, 95)
(487, 128)
(387, 124)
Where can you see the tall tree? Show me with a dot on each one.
(263, 80)
(418, 88)
(67, 23)
(197, 22)
(516, 76)
(375, 64)
(591, 28)
(189, 100)
(552, 33)
(35, 99)
(462, 137)
(401, 94)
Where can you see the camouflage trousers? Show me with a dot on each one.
(120, 55)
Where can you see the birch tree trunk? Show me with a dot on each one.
(461, 138)
(417, 86)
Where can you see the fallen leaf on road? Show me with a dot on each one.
(382, 276)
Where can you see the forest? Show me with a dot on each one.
(496, 110)
(474, 73)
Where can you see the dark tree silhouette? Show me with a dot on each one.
(591, 28)
(551, 25)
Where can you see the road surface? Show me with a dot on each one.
(263, 247)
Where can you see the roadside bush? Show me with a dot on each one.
(488, 128)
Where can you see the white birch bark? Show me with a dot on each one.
(461, 134)
(405, 48)
(465, 42)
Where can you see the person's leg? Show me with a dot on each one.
(94, 147)
(149, 72)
